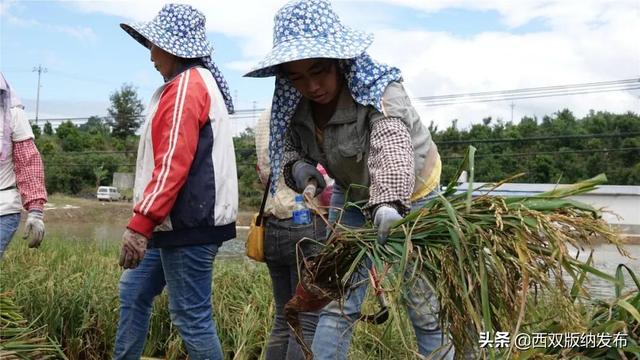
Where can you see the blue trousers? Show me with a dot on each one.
(187, 273)
(281, 238)
(335, 326)
(8, 225)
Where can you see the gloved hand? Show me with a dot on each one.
(310, 191)
(384, 218)
(34, 228)
(133, 247)
(304, 173)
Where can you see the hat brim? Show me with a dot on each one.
(148, 32)
(346, 44)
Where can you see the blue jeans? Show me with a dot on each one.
(8, 225)
(335, 326)
(188, 273)
(281, 237)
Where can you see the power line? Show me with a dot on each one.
(507, 98)
(536, 153)
(472, 97)
(454, 157)
(251, 150)
(534, 89)
(539, 138)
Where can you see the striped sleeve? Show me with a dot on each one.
(175, 128)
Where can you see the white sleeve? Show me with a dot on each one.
(21, 129)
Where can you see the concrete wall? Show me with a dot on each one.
(620, 203)
(123, 180)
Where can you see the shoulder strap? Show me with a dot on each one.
(264, 201)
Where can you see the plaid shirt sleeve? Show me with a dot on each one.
(29, 175)
(391, 166)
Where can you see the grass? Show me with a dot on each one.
(71, 288)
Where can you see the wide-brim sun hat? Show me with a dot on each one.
(307, 29)
(178, 29)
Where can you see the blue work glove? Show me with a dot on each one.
(304, 174)
(384, 219)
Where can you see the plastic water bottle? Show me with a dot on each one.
(301, 213)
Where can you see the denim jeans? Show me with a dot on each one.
(335, 326)
(8, 226)
(188, 273)
(281, 237)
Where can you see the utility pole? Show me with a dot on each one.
(236, 102)
(39, 70)
(253, 116)
(512, 106)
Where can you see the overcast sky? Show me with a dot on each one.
(442, 47)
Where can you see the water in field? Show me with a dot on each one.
(606, 257)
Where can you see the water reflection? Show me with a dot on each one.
(606, 257)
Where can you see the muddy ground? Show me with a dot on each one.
(62, 208)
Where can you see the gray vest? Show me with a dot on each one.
(345, 149)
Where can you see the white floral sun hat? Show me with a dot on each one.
(179, 29)
(306, 29)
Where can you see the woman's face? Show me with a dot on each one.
(164, 62)
(316, 79)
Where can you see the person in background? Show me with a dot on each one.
(334, 105)
(21, 172)
(280, 250)
(185, 192)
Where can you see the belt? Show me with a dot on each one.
(8, 188)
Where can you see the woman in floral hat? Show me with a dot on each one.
(185, 193)
(336, 106)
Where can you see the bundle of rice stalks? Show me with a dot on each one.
(18, 340)
(610, 328)
(480, 253)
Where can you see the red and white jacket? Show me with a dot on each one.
(186, 189)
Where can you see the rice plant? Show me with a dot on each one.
(20, 340)
(480, 253)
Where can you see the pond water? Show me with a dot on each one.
(606, 257)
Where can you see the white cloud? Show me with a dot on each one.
(583, 41)
(82, 33)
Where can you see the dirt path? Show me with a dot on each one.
(62, 208)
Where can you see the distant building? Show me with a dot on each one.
(621, 203)
(123, 180)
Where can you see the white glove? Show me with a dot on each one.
(385, 217)
(310, 191)
(34, 228)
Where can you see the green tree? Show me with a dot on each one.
(100, 173)
(95, 125)
(70, 138)
(125, 112)
(48, 129)
(249, 187)
(36, 130)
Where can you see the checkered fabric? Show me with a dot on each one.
(29, 175)
(306, 29)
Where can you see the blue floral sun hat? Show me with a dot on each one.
(306, 29)
(179, 29)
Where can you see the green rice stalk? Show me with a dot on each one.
(481, 254)
(18, 339)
